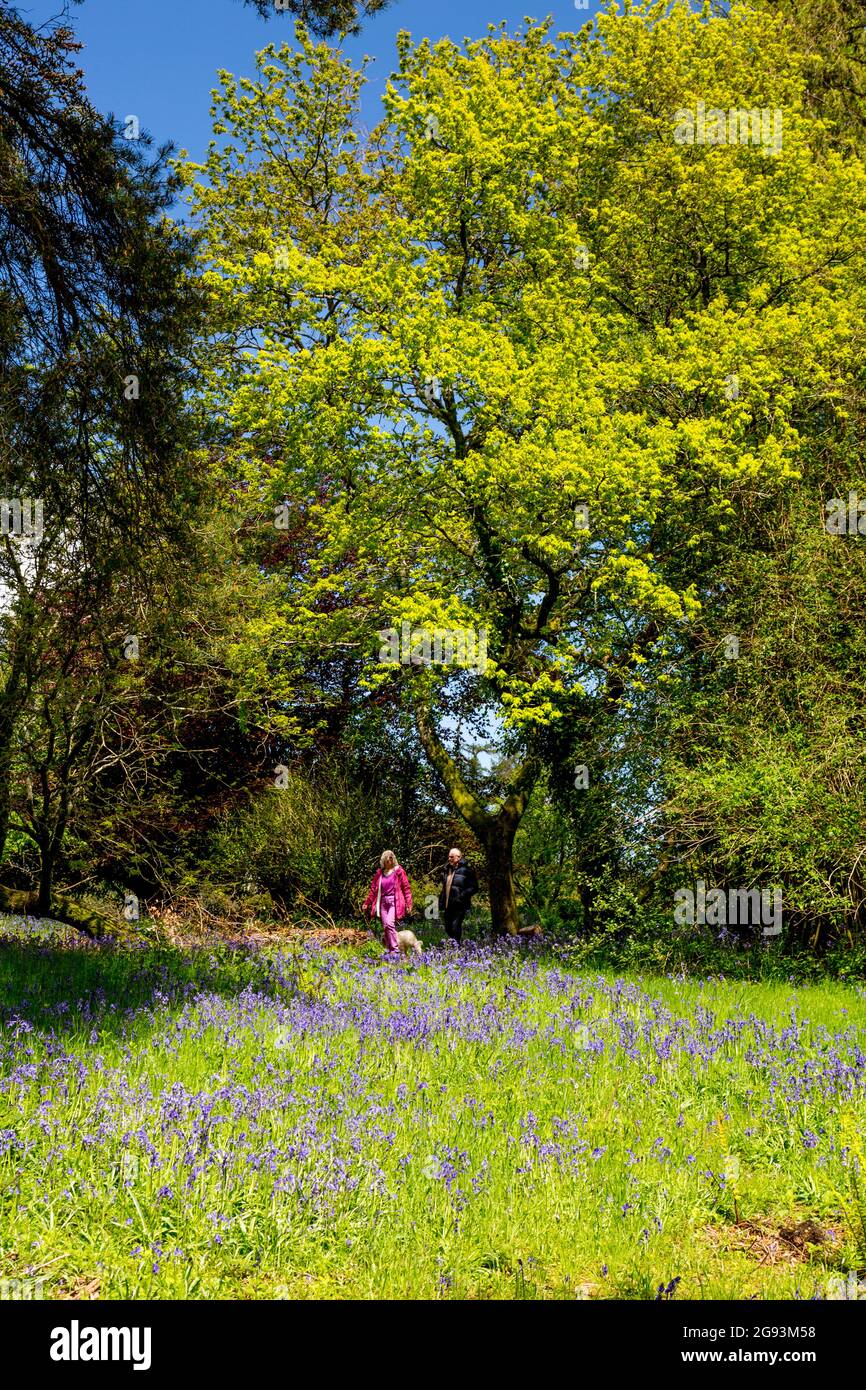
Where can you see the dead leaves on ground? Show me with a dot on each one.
(772, 1243)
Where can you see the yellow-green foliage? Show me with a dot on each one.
(517, 295)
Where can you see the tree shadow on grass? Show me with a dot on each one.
(64, 988)
(53, 981)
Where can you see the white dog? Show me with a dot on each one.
(409, 942)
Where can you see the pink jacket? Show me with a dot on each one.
(402, 893)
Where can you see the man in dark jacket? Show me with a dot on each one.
(458, 884)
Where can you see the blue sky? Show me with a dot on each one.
(158, 59)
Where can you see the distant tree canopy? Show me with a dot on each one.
(323, 17)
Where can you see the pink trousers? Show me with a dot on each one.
(388, 911)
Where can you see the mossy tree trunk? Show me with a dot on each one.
(494, 829)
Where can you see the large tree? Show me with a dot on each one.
(757, 755)
(522, 359)
(97, 312)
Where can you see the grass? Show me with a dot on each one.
(312, 1123)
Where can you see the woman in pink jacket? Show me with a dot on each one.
(390, 897)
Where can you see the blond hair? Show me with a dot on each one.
(387, 854)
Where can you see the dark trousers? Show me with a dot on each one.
(454, 920)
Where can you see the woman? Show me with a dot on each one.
(390, 897)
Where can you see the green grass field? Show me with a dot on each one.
(326, 1124)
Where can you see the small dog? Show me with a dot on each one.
(409, 942)
(530, 933)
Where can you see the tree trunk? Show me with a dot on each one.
(8, 713)
(5, 799)
(498, 853)
(495, 829)
(13, 698)
(586, 897)
(46, 879)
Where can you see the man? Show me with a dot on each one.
(458, 884)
